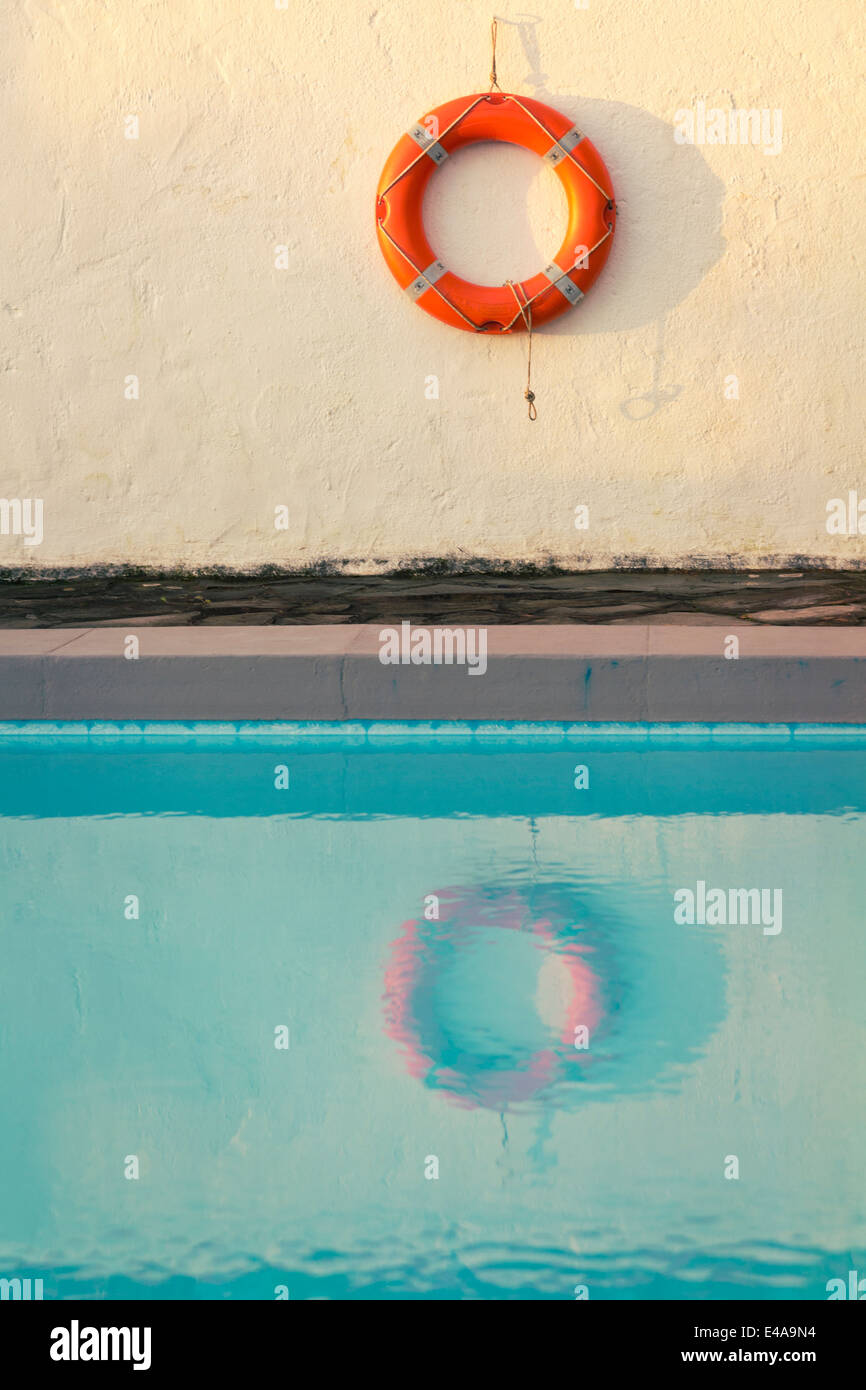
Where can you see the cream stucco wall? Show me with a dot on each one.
(307, 387)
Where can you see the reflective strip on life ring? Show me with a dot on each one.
(517, 121)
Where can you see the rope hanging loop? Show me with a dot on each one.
(525, 307)
(493, 78)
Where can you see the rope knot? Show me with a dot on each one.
(526, 314)
(493, 78)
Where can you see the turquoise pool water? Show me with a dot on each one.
(416, 1012)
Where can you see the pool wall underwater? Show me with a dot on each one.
(323, 982)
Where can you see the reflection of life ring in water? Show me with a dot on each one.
(427, 955)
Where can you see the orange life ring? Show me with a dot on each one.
(518, 121)
(423, 952)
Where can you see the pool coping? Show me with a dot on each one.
(333, 672)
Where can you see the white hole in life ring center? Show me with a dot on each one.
(501, 992)
(495, 212)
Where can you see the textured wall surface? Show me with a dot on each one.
(705, 401)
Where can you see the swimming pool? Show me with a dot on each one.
(410, 1011)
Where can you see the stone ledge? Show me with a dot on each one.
(797, 594)
(594, 673)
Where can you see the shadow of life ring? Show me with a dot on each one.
(512, 307)
(426, 950)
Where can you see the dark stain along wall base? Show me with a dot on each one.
(435, 593)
